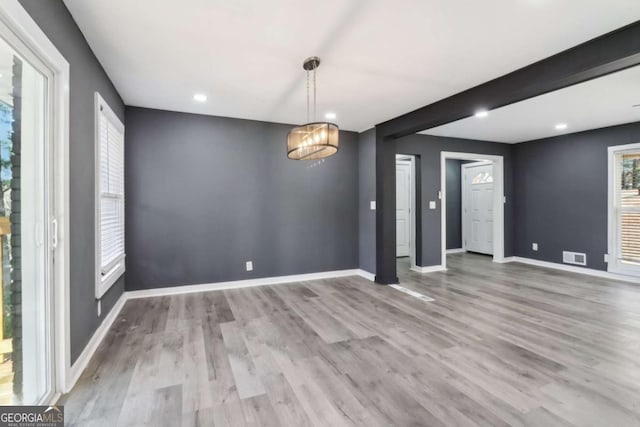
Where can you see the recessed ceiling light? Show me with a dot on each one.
(561, 126)
(330, 116)
(481, 114)
(200, 97)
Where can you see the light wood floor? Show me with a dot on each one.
(501, 345)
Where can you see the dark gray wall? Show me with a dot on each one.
(428, 148)
(561, 184)
(86, 77)
(205, 194)
(366, 194)
(454, 204)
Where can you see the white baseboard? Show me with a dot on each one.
(429, 269)
(237, 284)
(369, 276)
(83, 360)
(455, 251)
(505, 260)
(573, 269)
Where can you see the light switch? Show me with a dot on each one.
(432, 204)
(372, 205)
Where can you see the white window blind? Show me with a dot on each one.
(110, 227)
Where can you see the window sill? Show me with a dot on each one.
(104, 283)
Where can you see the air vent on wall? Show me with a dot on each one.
(574, 258)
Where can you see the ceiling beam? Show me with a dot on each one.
(604, 55)
(614, 51)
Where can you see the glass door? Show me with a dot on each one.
(626, 211)
(26, 326)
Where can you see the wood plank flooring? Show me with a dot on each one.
(502, 344)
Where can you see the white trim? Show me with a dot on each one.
(498, 201)
(103, 282)
(613, 266)
(429, 269)
(506, 260)
(573, 269)
(29, 34)
(89, 350)
(455, 251)
(365, 274)
(237, 284)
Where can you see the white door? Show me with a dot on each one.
(403, 208)
(26, 296)
(477, 207)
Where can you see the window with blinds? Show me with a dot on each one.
(624, 213)
(110, 197)
(629, 207)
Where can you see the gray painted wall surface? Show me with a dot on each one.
(454, 204)
(561, 184)
(366, 194)
(86, 77)
(429, 148)
(205, 194)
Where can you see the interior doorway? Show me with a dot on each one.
(479, 212)
(405, 210)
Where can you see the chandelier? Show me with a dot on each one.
(313, 140)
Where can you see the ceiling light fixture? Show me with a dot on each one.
(481, 114)
(200, 97)
(561, 126)
(313, 140)
(330, 116)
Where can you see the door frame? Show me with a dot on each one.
(498, 201)
(412, 206)
(464, 229)
(612, 265)
(25, 36)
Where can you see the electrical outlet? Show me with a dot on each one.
(249, 265)
(372, 205)
(99, 308)
(606, 258)
(432, 204)
(534, 246)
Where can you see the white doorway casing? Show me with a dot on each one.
(477, 207)
(403, 208)
(498, 201)
(406, 183)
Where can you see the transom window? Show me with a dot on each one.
(482, 178)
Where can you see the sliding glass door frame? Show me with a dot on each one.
(19, 30)
(615, 264)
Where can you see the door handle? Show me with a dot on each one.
(54, 233)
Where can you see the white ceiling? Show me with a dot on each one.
(380, 58)
(597, 103)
